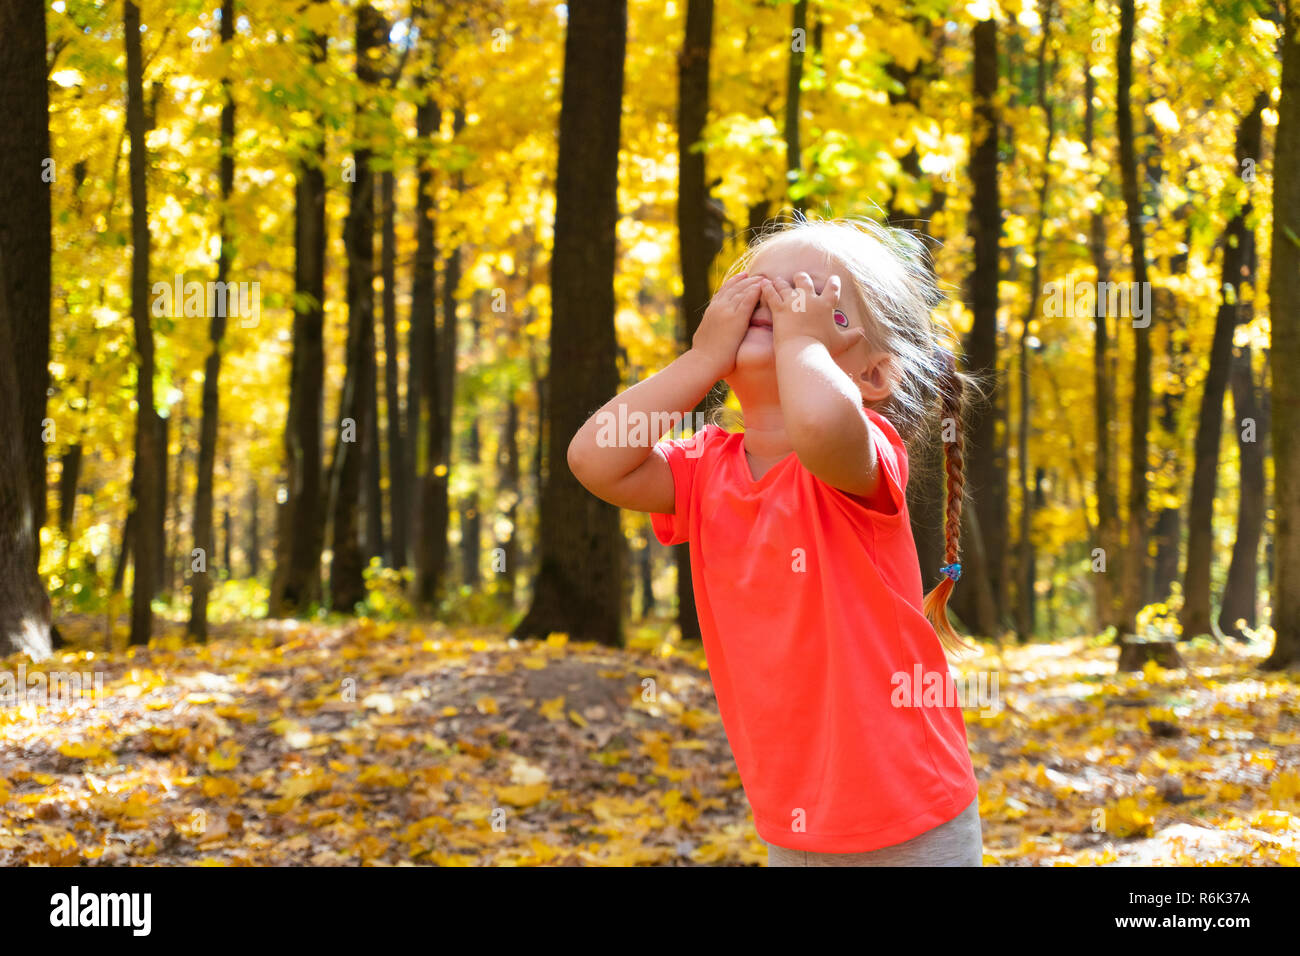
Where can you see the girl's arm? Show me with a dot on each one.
(602, 455)
(820, 406)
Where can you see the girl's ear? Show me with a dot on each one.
(876, 379)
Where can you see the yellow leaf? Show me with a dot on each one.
(1285, 788)
(214, 787)
(380, 776)
(525, 795)
(85, 750)
(577, 718)
(486, 705)
(552, 709)
(226, 757)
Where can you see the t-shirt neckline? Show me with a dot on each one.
(748, 472)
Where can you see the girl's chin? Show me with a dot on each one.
(756, 354)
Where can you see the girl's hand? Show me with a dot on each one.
(799, 311)
(726, 321)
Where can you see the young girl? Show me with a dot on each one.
(826, 664)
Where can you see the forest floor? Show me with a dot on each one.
(375, 743)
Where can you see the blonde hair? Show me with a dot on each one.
(888, 273)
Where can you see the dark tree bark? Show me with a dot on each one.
(399, 508)
(160, 530)
(510, 489)
(24, 606)
(25, 184)
(174, 544)
(422, 346)
(148, 498)
(300, 521)
(646, 567)
(1108, 520)
(1137, 567)
(1284, 355)
(227, 526)
(471, 526)
(1241, 591)
(372, 500)
(433, 557)
(69, 476)
(124, 551)
(201, 583)
(1168, 529)
(1195, 616)
(986, 468)
(579, 583)
(253, 527)
(1030, 494)
(699, 233)
(793, 82)
(347, 582)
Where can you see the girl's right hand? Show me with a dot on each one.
(726, 321)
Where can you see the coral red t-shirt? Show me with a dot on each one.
(810, 607)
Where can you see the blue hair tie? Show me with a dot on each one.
(952, 570)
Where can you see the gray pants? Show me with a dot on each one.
(959, 842)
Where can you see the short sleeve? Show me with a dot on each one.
(683, 455)
(891, 458)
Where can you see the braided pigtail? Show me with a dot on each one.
(935, 605)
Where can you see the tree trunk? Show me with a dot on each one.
(1240, 593)
(647, 579)
(397, 500)
(371, 495)
(1195, 617)
(1284, 355)
(347, 582)
(433, 557)
(1108, 521)
(510, 490)
(1137, 566)
(579, 583)
(69, 475)
(422, 372)
(227, 526)
(699, 234)
(24, 606)
(1168, 530)
(300, 524)
(986, 475)
(174, 542)
(254, 530)
(1028, 494)
(793, 81)
(148, 500)
(203, 538)
(26, 178)
(471, 527)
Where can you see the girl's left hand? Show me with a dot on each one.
(799, 311)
